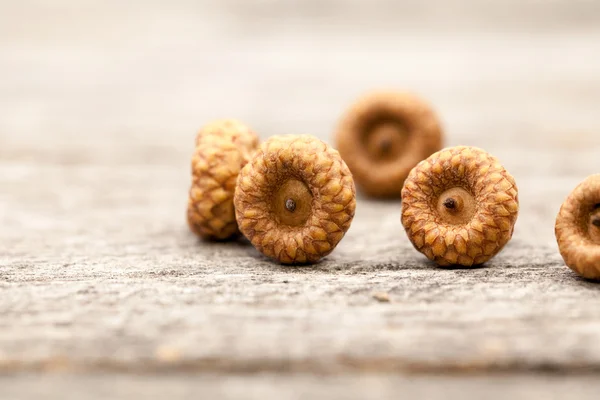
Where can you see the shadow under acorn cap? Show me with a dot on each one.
(383, 135)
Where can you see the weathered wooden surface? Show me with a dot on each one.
(98, 272)
(297, 387)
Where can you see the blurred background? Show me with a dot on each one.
(113, 82)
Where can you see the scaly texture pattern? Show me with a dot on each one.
(576, 231)
(222, 149)
(327, 186)
(495, 198)
(231, 131)
(383, 136)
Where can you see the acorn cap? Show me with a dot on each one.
(295, 199)
(577, 228)
(231, 131)
(459, 206)
(383, 136)
(222, 149)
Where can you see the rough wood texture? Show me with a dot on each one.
(99, 273)
(297, 387)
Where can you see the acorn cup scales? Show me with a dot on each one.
(222, 148)
(459, 206)
(577, 228)
(383, 135)
(295, 199)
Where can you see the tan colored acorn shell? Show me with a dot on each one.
(496, 206)
(312, 164)
(579, 247)
(231, 131)
(373, 176)
(222, 149)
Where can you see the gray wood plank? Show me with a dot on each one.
(297, 387)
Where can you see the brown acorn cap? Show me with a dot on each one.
(295, 199)
(577, 228)
(222, 149)
(231, 131)
(459, 206)
(383, 136)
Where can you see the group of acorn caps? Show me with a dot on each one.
(293, 196)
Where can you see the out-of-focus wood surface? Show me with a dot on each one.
(99, 105)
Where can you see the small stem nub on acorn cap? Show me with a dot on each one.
(450, 203)
(385, 146)
(290, 205)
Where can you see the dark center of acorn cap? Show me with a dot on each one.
(290, 205)
(595, 215)
(456, 206)
(594, 221)
(386, 140)
(385, 145)
(450, 203)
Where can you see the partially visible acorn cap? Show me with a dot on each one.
(459, 206)
(295, 199)
(229, 130)
(222, 149)
(577, 228)
(383, 136)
